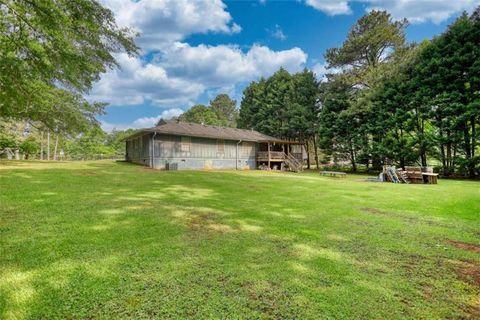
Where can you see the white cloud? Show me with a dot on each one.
(330, 7)
(161, 22)
(277, 33)
(419, 11)
(109, 127)
(137, 82)
(225, 65)
(181, 74)
(321, 71)
(174, 73)
(416, 11)
(146, 122)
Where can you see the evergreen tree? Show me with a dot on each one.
(225, 109)
(201, 114)
(447, 82)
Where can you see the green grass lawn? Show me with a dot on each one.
(114, 240)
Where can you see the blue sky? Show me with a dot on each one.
(193, 50)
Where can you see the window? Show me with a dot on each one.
(220, 146)
(247, 149)
(185, 144)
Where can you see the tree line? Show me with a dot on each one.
(27, 139)
(388, 101)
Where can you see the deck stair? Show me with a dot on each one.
(293, 163)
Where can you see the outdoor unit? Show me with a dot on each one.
(171, 166)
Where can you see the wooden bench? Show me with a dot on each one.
(417, 175)
(431, 178)
(333, 174)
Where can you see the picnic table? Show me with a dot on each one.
(430, 177)
(333, 174)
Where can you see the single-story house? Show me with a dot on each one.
(177, 145)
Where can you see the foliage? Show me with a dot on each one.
(112, 240)
(116, 140)
(446, 77)
(340, 135)
(29, 147)
(222, 112)
(201, 114)
(90, 144)
(283, 105)
(7, 141)
(225, 109)
(51, 53)
(404, 103)
(369, 43)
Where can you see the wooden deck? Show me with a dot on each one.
(283, 161)
(272, 156)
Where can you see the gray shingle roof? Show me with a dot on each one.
(181, 128)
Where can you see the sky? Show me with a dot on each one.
(192, 50)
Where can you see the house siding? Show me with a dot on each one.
(173, 152)
(138, 150)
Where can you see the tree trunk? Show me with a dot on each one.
(55, 148)
(353, 159)
(474, 146)
(423, 157)
(443, 153)
(48, 145)
(468, 151)
(308, 155)
(316, 151)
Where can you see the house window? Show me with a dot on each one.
(220, 146)
(247, 149)
(185, 144)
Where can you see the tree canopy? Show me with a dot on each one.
(408, 102)
(50, 55)
(200, 113)
(222, 111)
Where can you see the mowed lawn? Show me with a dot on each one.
(107, 240)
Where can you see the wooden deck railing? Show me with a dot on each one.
(291, 162)
(274, 155)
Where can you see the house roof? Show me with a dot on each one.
(180, 128)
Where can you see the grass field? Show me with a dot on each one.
(113, 240)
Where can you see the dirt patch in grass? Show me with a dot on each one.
(204, 222)
(464, 245)
(271, 300)
(474, 311)
(469, 272)
(374, 211)
(87, 173)
(407, 218)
